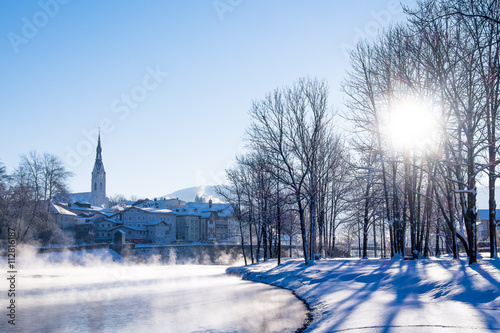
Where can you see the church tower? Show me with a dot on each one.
(98, 191)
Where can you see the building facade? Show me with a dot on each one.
(206, 223)
(483, 229)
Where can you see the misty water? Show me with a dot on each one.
(121, 298)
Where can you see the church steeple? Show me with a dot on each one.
(98, 157)
(98, 190)
(99, 149)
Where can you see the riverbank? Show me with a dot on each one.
(427, 295)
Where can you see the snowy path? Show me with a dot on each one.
(391, 296)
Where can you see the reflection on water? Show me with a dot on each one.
(151, 299)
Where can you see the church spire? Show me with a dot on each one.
(98, 190)
(99, 149)
(98, 166)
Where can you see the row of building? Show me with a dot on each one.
(165, 221)
(148, 222)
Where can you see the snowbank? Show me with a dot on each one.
(390, 295)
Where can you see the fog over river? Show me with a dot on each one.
(149, 298)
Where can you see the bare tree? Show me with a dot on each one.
(55, 177)
(233, 193)
(291, 125)
(116, 199)
(35, 182)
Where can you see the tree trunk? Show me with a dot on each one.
(257, 254)
(278, 211)
(470, 214)
(243, 243)
(383, 239)
(302, 228)
(251, 242)
(492, 206)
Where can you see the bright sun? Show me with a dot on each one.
(411, 125)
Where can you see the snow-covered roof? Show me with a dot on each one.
(186, 212)
(56, 209)
(148, 203)
(129, 227)
(109, 220)
(151, 210)
(196, 208)
(155, 222)
(106, 213)
(156, 211)
(205, 215)
(118, 207)
(91, 210)
(73, 206)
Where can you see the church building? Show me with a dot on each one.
(97, 195)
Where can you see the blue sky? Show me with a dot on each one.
(169, 82)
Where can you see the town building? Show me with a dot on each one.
(102, 229)
(76, 220)
(206, 222)
(483, 229)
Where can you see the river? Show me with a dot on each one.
(154, 298)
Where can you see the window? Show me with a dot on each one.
(129, 232)
(95, 186)
(101, 186)
(138, 218)
(130, 218)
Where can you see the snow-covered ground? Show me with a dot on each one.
(430, 295)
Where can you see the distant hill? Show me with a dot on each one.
(190, 193)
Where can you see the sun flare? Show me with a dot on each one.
(411, 125)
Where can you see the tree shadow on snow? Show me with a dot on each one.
(408, 281)
(478, 293)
